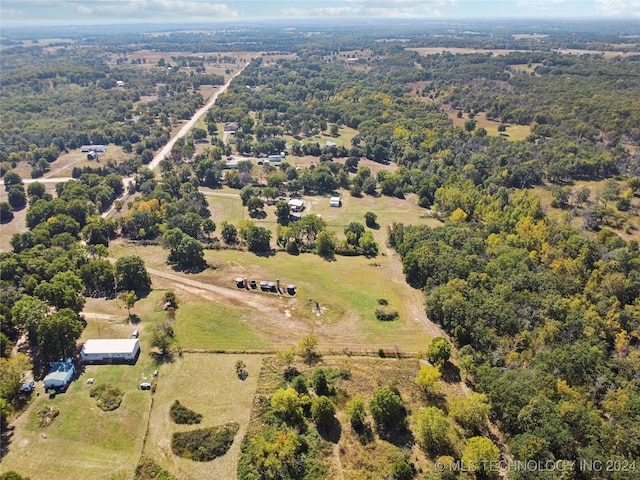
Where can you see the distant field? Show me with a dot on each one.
(456, 50)
(631, 217)
(513, 132)
(207, 384)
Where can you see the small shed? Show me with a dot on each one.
(112, 350)
(296, 204)
(60, 375)
(335, 202)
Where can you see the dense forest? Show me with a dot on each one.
(545, 314)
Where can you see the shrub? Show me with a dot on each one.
(356, 412)
(148, 470)
(388, 409)
(241, 370)
(322, 412)
(108, 397)
(320, 385)
(204, 444)
(47, 415)
(182, 415)
(385, 313)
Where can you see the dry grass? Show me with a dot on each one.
(207, 384)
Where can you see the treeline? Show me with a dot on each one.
(547, 321)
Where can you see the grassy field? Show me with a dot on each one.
(630, 219)
(513, 132)
(207, 384)
(83, 441)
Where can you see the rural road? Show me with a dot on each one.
(164, 151)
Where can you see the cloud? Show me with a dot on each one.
(373, 8)
(616, 8)
(539, 4)
(155, 8)
(101, 11)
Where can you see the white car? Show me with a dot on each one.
(27, 387)
(145, 386)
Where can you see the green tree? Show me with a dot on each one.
(98, 277)
(367, 245)
(208, 227)
(371, 220)
(12, 372)
(188, 254)
(63, 291)
(282, 212)
(17, 197)
(307, 348)
(11, 179)
(5, 345)
(58, 334)
(6, 212)
(428, 377)
(387, 409)
(439, 351)
(326, 244)
(432, 428)
(254, 204)
(28, 312)
(323, 412)
(229, 233)
(131, 274)
(356, 412)
(478, 455)
(258, 239)
(286, 403)
(163, 338)
(277, 456)
(130, 300)
(471, 411)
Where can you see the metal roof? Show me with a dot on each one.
(110, 345)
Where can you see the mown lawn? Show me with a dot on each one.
(201, 324)
(83, 441)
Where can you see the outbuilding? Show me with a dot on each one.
(112, 350)
(60, 375)
(296, 204)
(335, 202)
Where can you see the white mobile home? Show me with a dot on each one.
(113, 350)
(296, 205)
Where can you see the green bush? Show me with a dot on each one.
(108, 397)
(385, 313)
(182, 415)
(204, 444)
(148, 470)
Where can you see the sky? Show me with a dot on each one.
(91, 12)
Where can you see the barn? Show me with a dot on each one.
(112, 350)
(60, 375)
